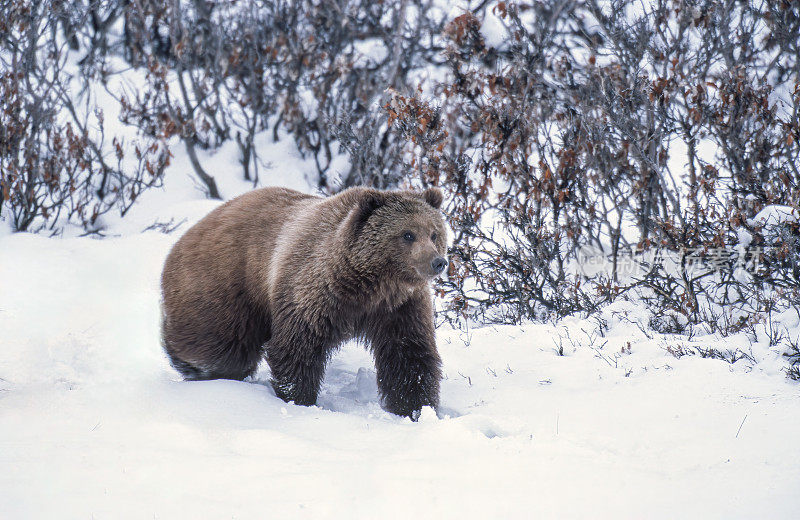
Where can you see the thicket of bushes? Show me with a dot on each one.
(652, 135)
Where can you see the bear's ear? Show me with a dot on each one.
(369, 201)
(434, 197)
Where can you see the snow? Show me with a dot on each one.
(774, 215)
(370, 52)
(94, 422)
(493, 30)
(773, 221)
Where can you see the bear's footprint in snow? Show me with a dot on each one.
(344, 391)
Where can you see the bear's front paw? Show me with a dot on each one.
(292, 392)
(411, 413)
(405, 408)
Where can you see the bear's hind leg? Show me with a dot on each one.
(224, 370)
(187, 370)
(201, 351)
(218, 343)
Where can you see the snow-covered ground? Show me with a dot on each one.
(95, 424)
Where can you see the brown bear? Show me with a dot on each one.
(293, 276)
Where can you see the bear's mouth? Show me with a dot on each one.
(431, 269)
(428, 275)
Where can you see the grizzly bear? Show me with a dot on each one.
(292, 276)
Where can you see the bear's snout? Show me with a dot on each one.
(438, 264)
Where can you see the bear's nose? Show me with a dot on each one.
(438, 264)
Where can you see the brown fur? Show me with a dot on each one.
(291, 275)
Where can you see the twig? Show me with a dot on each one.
(740, 426)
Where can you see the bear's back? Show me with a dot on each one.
(228, 245)
(307, 248)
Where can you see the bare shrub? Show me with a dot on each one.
(660, 137)
(57, 163)
(315, 69)
(571, 126)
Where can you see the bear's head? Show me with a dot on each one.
(400, 234)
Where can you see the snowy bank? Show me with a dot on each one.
(94, 422)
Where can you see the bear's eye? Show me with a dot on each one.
(434, 237)
(408, 236)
